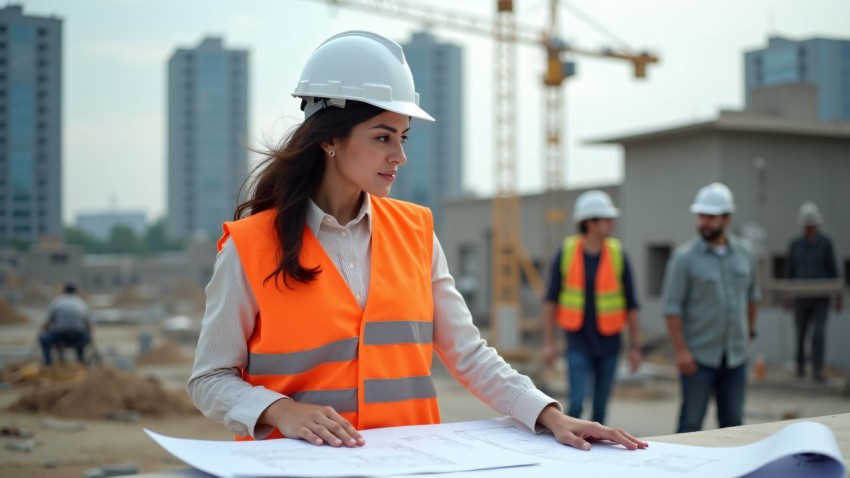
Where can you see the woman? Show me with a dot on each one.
(327, 299)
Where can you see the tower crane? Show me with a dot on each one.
(509, 258)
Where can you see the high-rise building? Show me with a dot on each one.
(434, 169)
(207, 127)
(822, 62)
(30, 127)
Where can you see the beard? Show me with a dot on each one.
(709, 234)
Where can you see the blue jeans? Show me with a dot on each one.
(729, 386)
(582, 367)
(50, 339)
(811, 312)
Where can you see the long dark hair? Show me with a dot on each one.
(290, 173)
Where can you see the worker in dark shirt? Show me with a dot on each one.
(591, 296)
(811, 256)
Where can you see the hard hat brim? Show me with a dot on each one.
(711, 211)
(612, 213)
(401, 107)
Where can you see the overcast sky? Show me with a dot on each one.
(116, 51)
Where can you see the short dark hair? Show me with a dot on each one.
(70, 288)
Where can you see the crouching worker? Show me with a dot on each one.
(67, 325)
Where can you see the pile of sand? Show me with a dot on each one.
(8, 314)
(105, 389)
(167, 352)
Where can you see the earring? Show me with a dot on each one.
(332, 153)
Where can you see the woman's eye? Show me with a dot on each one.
(383, 139)
(403, 139)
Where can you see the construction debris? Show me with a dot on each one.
(123, 415)
(103, 389)
(104, 471)
(8, 314)
(24, 446)
(64, 425)
(13, 431)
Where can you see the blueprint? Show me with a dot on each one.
(494, 448)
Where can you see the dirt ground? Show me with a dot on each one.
(70, 452)
(645, 407)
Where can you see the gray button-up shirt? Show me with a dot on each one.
(711, 292)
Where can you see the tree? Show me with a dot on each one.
(157, 240)
(122, 240)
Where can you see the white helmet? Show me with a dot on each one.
(361, 66)
(715, 199)
(594, 204)
(809, 214)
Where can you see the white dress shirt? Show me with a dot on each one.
(216, 384)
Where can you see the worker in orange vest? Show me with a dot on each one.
(327, 298)
(591, 296)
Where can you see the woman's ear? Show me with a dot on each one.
(329, 146)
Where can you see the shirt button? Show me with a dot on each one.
(343, 233)
(351, 265)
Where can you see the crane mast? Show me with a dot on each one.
(509, 258)
(505, 308)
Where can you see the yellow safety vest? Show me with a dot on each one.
(610, 298)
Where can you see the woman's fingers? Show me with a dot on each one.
(313, 423)
(579, 433)
(596, 431)
(337, 431)
(622, 437)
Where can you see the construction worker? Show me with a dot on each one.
(592, 297)
(67, 325)
(811, 256)
(710, 304)
(327, 298)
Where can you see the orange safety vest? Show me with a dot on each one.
(610, 299)
(315, 344)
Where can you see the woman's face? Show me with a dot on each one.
(369, 158)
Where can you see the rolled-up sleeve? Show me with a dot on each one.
(675, 286)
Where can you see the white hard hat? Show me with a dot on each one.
(715, 199)
(592, 205)
(809, 214)
(361, 66)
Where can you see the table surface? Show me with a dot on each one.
(734, 436)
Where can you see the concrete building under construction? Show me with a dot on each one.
(774, 156)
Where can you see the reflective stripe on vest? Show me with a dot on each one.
(610, 298)
(376, 333)
(313, 342)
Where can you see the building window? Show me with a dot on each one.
(657, 257)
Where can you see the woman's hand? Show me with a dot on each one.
(579, 433)
(315, 423)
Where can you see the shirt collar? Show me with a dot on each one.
(315, 215)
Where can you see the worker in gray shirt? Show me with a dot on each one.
(710, 305)
(810, 256)
(67, 325)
